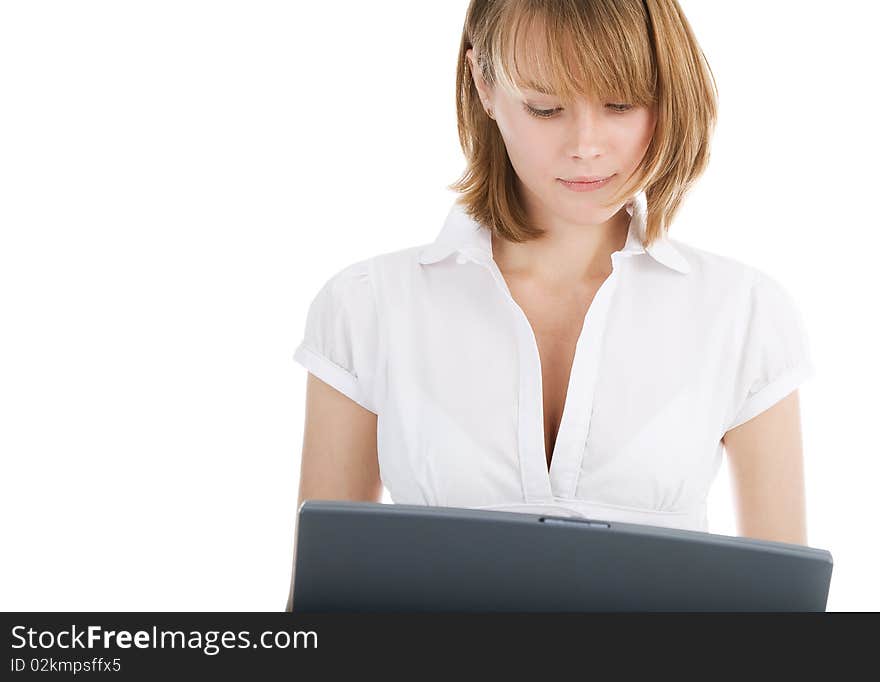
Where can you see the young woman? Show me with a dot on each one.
(554, 347)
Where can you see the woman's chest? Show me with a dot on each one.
(556, 321)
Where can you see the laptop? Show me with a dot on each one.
(376, 557)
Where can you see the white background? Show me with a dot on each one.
(177, 179)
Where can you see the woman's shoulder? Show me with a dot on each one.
(367, 281)
(713, 268)
(364, 268)
(731, 280)
(386, 266)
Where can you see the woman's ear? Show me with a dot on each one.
(479, 82)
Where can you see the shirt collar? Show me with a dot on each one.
(473, 241)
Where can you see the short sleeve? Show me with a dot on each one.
(340, 343)
(776, 356)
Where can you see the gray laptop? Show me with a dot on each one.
(374, 557)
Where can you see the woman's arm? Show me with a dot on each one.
(340, 459)
(765, 456)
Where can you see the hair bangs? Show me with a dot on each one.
(571, 50)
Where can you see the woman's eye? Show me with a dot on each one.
(548, 113)
(541, 113)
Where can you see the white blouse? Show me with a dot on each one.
(678, 346)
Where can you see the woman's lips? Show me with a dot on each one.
(585, 186)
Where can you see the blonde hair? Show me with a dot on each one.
(642, 52)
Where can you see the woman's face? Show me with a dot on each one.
(590, 138)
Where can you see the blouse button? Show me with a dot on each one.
(461, 259)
